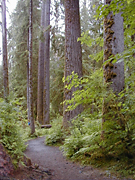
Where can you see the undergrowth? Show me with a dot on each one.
(14, 128)
(10, 129)
(56, 134)
(89, 140)
(26, 131)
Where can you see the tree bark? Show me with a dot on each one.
(30, 70)
(113, 44)
(28, 104)
(73, 54)
(46, 92)
(41, 67)
(4, 45)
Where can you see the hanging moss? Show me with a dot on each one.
(108, 1)
(108, 23)
(109, 75)
(109, 64)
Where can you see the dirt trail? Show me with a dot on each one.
(51, 159)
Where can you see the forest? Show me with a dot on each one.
(68, 73)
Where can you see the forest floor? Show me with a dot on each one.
(48, 163)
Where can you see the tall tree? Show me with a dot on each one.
(18, 49)
(73, 53)
(30, 70)
(4, 45)
(113, 44)
(41, 67)
(57, 58)
(28, 99)
(43, 103)
(46, 92)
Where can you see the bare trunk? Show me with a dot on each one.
(28, 104)
(46, 95)
(4, 44)
(41, 67)
(73, 53)
(30, 71)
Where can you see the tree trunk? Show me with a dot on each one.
(4, 45)
(73, 53)
(41, 67)
(46, 93)
(30, 70)
(85, 3)
(28, 104)
(113, 44)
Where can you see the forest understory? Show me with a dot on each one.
(48, 163)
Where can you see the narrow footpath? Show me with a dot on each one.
(51, 160)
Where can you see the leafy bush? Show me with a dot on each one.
(84, 138)
(39, 132)
(87, 141)
(56, 134)
(90, 93)
(10, 128)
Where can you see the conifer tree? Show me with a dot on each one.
(57, 58)
(46, 91)
(18, 50)
(41, 67)
(30, 69)
(92, 28)
(43, 104)
(5, 56)
(73, 53)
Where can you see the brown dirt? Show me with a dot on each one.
(6, 166)
(48, 163)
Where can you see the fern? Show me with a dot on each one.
(10, 135)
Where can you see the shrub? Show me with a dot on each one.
(56, 134)
(10, 129)
(84, 138)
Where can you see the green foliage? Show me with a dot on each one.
(1, 81)
(126, 7)
(25, 130)
(56, 87)
(83, 139)
(10, 135)
(116, 140)
(114, 143)
(56, 134)
(18, 48)
(57, 59)
(91, 37)
(90, 91)
(40, 131)
(87, 141)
